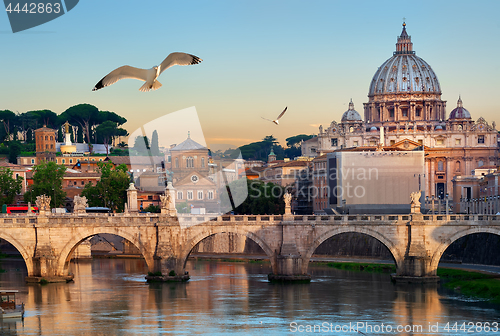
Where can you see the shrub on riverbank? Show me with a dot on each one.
(471, 283)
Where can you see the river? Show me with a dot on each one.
(111, 297)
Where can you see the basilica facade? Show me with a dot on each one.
(405, 111)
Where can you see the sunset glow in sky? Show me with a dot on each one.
(258, 57)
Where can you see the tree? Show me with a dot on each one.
(9, 186)
(105, 133)
(111, 190)
(141, 145)
(263, 198)
(155, 149)
(15, 149)
(8, 119)
(47, 180)
(85, 115)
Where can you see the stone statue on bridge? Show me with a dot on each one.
(165, 202)
(287, 197)
(43, 204)
(80, 204)
(415, 201)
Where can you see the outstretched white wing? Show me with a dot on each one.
(281, 114)
(267, 119)
(121, 73)
(178, 58)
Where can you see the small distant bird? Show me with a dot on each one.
(276, 121)
(147, 75)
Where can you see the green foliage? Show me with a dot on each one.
(105, 133)
(119, 152)
(141, 145)
(365, 267)
(471, 283)
(15, 149)
(153, 209)
(111, 190)
(171, 273)
(157, 273)
(9, 186)
(263, 198)
(47, 180)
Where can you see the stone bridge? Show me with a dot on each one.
(46, 242)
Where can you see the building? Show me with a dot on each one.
(45, 143)
(374, 181)
(405, 107)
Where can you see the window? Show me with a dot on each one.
(373, 143)
(440, 166)
(190, 195)
(480, 139)
(51, 146)
(150, 197)
(74, 183)
(17, 176)
(189, 162)
(51, 137)
(355, 144)
(83, 182)
(459, 127)
(210, 195)
(334, 142)
(439, 141)
(46, 138)
(420, 141)
(351, 129)
(46, 146)
(391, 112)
(457, 166)
(417, 112)
(404, 112)
(169, 159)
(63, 161)
(202, 162)
(176, 162)
(458, 142)
(70, 160)
(392, 142)
(179, 195)
(480, 163)
(32, 160)
(200, 195)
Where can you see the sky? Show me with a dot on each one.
(258, 57)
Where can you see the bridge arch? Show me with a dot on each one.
(28, 260)
(436, 257)
(77, 238)
(396, 254)
(202, 235)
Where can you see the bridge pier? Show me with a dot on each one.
(416, 265)
(45, 267)
(288, 265)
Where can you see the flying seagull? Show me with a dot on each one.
(147, 75)
(276, 121)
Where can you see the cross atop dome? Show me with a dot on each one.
(404, 45)
(459, 102)
(351, 105)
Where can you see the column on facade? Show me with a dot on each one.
(396, 112)
(412, 111)
(432, 187)
(449, 175)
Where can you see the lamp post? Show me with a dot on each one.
(427, 203)
(432, 200)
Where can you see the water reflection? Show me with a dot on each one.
(111, 297)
